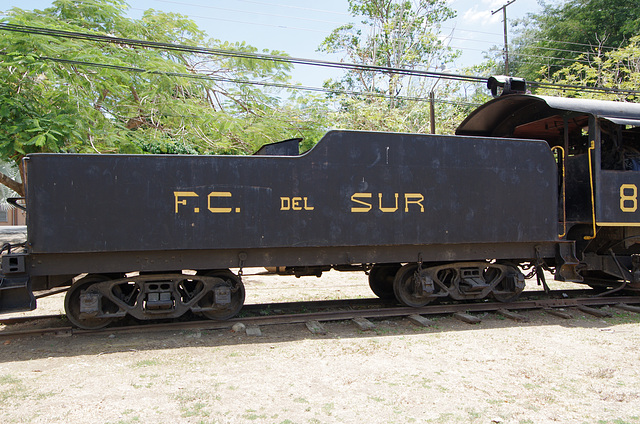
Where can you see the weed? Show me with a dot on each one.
(473, 415)
(146, 363)
(194, 404)
(131, 420)
(9, 379)
(443, 418)
(15, 387)
(194, 410)
(530, 386)
(252, 415)
(328, 408)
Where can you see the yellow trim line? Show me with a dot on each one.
(593, 201)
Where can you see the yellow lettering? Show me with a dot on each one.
(387, 209)
(295, 203)
(355, 197)
(307, 207)
(178, 194)
(628, 202)
(415, 198)
(218, 194)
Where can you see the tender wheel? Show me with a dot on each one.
(510, 287)
(381, 279)
(224, 310)
(72, 302)
(411, 288)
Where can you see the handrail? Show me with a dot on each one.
(564, 192)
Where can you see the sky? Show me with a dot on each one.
(298, 27)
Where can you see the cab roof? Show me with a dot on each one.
(507, 115)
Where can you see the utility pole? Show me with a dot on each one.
(506, 48)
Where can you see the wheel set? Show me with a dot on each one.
(95, 301)
(417, 285)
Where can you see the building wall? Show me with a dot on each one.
(12, 216)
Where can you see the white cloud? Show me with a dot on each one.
(483, 16)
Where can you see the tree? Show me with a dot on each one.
(552, 39)
(618, 70)
(79, 95)
(401, 34)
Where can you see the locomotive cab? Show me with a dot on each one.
(597, 149)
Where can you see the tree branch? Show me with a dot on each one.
(12, 184)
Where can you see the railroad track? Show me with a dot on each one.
(360, 310)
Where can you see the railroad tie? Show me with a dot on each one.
(315, 327)
(595, 312)
(421, 321)
(363, 324)
(512, 315)
(559, 313)
(628, 308)
(469, 319)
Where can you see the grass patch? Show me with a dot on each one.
(195, 404)
(147, 363)
(11, 387)
(328, 408)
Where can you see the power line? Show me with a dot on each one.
(251, 12)
(266, 4)
(247, 82)
(349, 15)
(284, 59)
(232, 53)
(235, 21)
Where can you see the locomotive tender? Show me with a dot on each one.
(526, 182)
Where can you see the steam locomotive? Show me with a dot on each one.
(527, 182)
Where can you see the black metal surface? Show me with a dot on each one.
(353, 189)
(289, 147)
(16, 294)
(617, 198)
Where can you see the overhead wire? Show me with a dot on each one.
(200, 76)
(266, 4)
(252, 12)
(285, 59)
(233, 53)
(465, 48)
(236, 21)
(453, 28)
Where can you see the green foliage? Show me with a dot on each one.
(618, 69)
(564, 31)
(402, 34)
(72, 95)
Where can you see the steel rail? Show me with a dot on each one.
(341, 315)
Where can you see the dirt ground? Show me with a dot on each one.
(583, 370)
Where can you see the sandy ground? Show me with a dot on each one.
(583, 370)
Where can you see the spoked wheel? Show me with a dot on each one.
(381, 279)
(230, 285)
(411, 288)
(73, 301)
